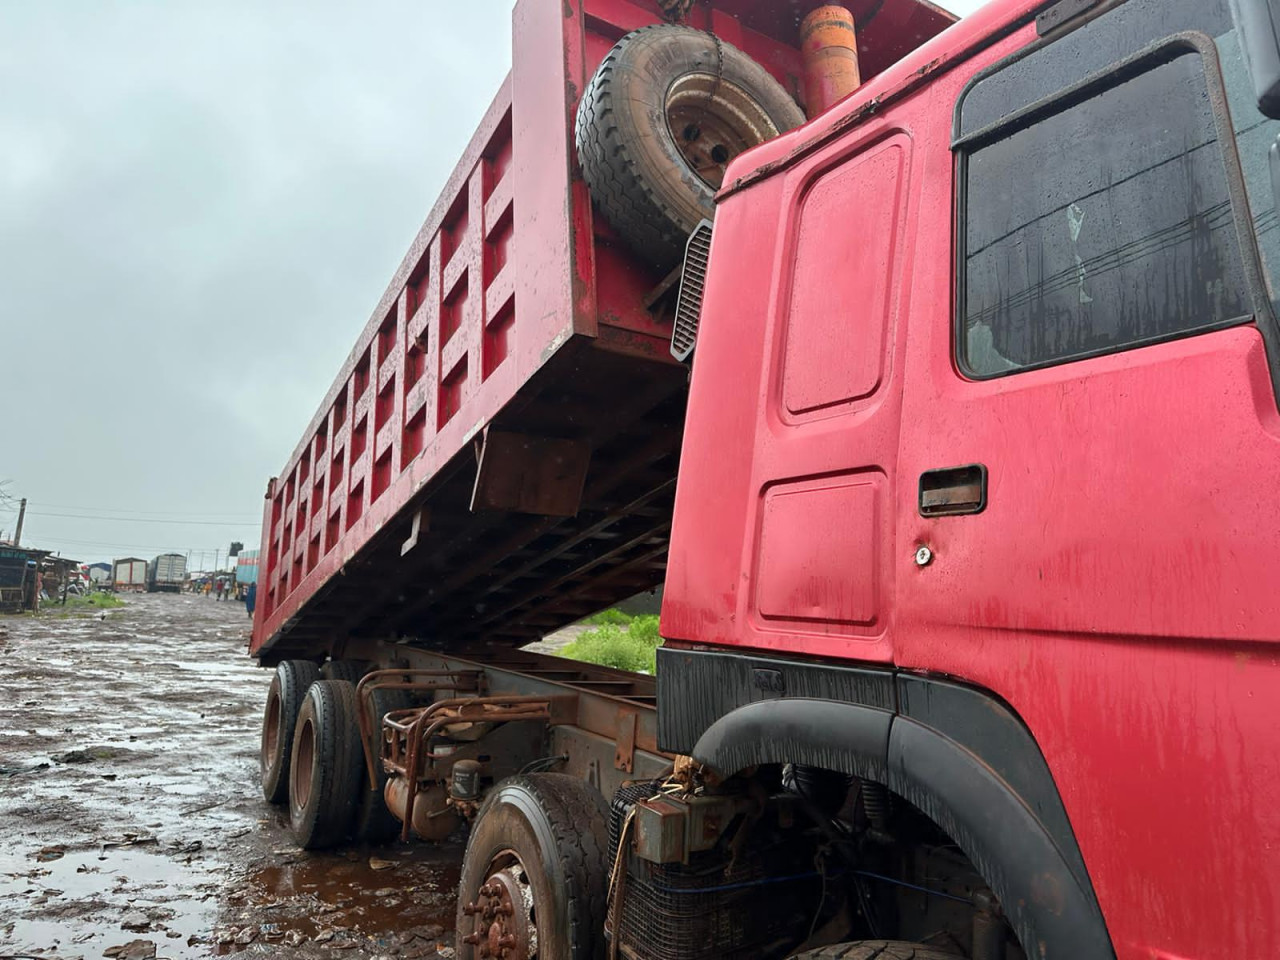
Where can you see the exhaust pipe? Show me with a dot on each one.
(829, 52)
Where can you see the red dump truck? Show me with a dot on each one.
(944, 411)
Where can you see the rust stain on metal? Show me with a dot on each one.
(407, 734)
(625, 757)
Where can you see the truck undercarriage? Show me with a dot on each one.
(838, 857)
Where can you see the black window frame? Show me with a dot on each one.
(1163, 50)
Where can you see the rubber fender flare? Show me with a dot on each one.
(1041, 895)
(793, 731)
(1053, 916)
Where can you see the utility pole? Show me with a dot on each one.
(22, 514)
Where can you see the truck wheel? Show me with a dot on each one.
(534, 876)
(374, 823)
(326, 771)
(876, 950)
(658, 124)
(284, 700)
(342, 670)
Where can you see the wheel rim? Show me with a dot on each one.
(304, 757)
(712, 121)
(271, 732)
(503, 913)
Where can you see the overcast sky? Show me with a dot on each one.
(200, 204)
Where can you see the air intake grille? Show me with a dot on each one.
(692, 280)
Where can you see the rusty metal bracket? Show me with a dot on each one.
(429, 681)
(625, 757)
(407, 740)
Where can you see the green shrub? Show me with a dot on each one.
(613, 615)
(103, 600)
(623, 648)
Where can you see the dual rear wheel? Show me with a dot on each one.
(312, 755)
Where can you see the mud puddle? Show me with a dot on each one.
(132, 816)
(397, 901)
(81, 902)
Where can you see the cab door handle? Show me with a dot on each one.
(953, 490)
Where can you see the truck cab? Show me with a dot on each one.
(983, 401)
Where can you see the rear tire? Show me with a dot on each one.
(660, 121)
(374, 823)
(284, 699)
(327, 767)
(876, 950)
(347, 670)
(539, 845)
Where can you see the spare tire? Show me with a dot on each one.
(660, 121)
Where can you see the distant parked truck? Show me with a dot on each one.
(246, 571)
(168, 572)
(130, 573)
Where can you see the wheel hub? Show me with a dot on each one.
(712, 121)
(503, 917)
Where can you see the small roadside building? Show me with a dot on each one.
(25, 573)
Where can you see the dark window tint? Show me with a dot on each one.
(1101, 226)
(1093, 47)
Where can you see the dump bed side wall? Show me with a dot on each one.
(509, 267)
(449, 343)
(492, 287)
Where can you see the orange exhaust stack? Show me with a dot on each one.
(829, 48)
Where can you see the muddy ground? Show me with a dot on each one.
(131, 815)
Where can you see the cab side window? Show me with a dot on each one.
(1097, 218)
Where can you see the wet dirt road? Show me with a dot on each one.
(131, 815)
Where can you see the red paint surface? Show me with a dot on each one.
(509, 266)
(1120, 592)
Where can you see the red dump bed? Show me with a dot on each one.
(497, 456)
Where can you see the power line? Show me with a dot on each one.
(93, 516)
(125, 510)
(113, 544)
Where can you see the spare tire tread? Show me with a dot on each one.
(626, 200)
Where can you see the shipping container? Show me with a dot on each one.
(130, 573)
(247, 567)
(167, 573)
